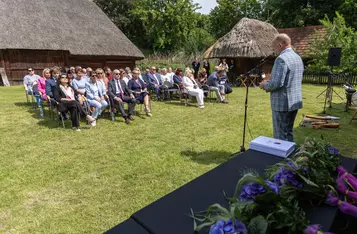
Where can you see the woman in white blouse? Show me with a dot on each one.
(192, 88)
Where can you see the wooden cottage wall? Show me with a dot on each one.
(100, 62)
(17, 62)
(243, 65)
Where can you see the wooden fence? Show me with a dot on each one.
(323, 78)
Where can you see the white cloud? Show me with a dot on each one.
(206, 5)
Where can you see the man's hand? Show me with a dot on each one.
(155, 85)
(261, 85)
(98, 99)
(118, 100)
(132, 96)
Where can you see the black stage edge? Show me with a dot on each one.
(129, 226)
(168, 214)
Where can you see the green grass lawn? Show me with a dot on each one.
(54, 180)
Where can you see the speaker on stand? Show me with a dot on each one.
(334, 59)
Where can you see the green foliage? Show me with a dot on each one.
(228, 12)
(338, 35)
(349, 11)
(297, 13)
(198, 40)
(167, 23)
(314, 165)
(119, 11)
(258, 225)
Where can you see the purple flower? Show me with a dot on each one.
(273, 186)
(314, 229)
(227, 227)
(286, 177)
(250, 191)
(333, 150)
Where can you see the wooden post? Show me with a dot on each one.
(3, 75)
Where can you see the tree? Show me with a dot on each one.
(228, 12)
(338, 35)
(297, 13)
(349, 11)
(167, 24)
(119, 12)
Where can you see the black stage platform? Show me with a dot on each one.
(168, 214)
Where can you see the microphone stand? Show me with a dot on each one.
(264, 60)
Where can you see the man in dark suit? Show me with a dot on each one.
(119, 92)
(156, 83)
(196, 67)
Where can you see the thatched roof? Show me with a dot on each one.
(249, 38)
(77, 26)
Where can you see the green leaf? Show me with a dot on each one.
(258, 225)
(267, 198)
(203, 225)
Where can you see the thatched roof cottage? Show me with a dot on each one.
(44, 33)
(247, 43)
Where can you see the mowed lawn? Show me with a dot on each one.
(54, 180)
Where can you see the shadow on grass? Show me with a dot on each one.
(25, 104)
(208, 156)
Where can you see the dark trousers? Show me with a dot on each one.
(131, 104)
(283, 124)
(158, 90)
(75, 109)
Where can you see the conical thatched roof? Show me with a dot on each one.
(77, 26)
(249, 38)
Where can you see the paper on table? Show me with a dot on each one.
(272, 146)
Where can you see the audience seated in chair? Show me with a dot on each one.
(102, 77)
(46, 74)
(64, 95)
(191, 86)
(51, 84)
(202, 76)
(139, 89)
(31, 87)
(213, 83)
(157, 84)
(177, 78)
(79, 85)
(120, 93)
(96, 94)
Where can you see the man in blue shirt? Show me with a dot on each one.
(285, 87)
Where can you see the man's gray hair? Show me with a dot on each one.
(282, 38)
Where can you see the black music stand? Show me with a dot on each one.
(264, 60)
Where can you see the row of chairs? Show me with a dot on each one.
(183, 96)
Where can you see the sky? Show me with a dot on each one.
(206, 5)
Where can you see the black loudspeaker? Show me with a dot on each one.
(334, 57)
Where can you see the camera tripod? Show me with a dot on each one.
(329, 92)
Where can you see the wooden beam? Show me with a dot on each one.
(3, 75)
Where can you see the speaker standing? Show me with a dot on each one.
(284, 87)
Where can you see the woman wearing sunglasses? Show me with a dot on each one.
(65, 98)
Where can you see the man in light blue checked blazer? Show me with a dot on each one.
(285, 87)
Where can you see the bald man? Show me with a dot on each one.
(285, 87)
